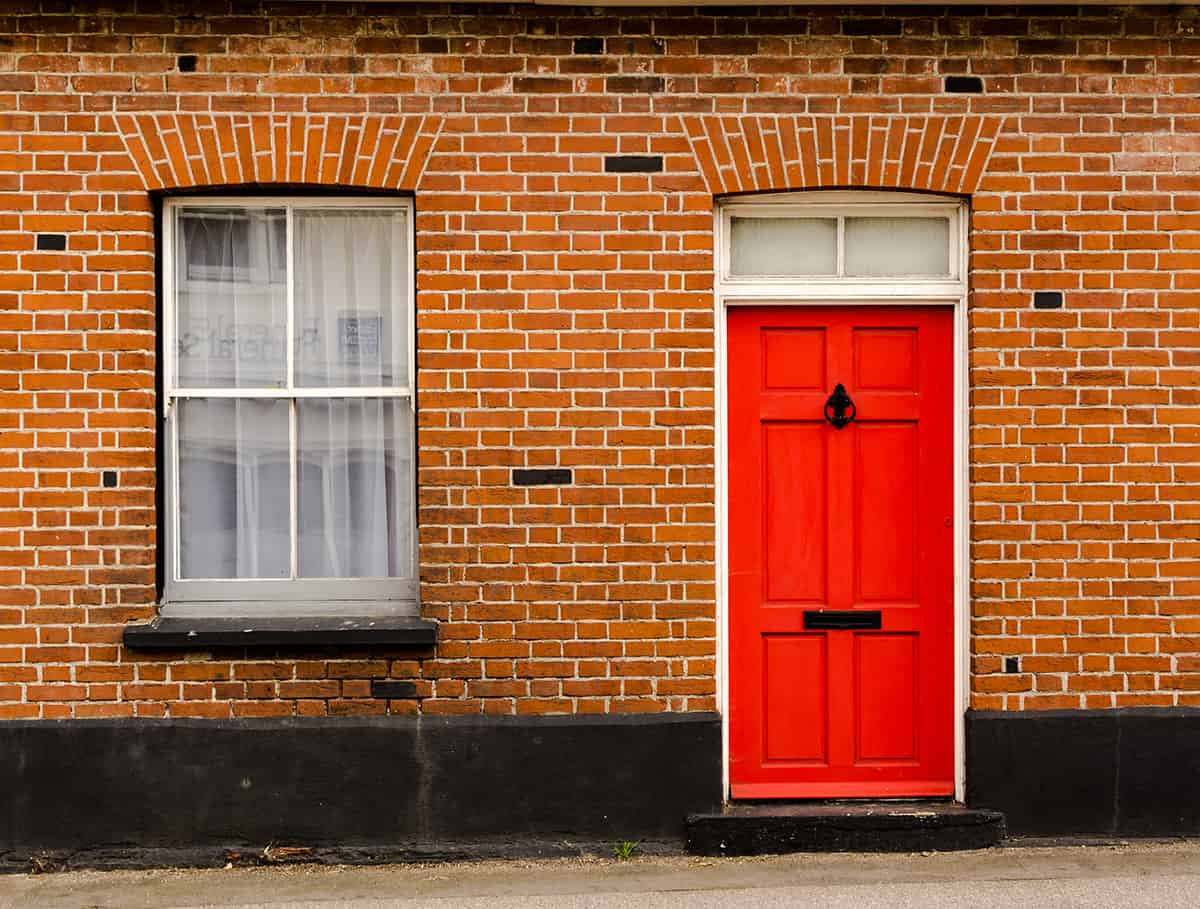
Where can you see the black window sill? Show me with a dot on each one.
(205, 633)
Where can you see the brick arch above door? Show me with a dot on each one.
(767, 152)
(180, 150)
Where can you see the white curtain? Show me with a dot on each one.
(231, 333)
(351, 318)
(231, 286)
(234, 488)
(354, 495)
(354, 498)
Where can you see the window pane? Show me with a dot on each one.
(351, 311)
(231, 298)
(234, 501)
(355, 488)
(897, 246)
(784, 246)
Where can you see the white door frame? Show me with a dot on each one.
(732, 291)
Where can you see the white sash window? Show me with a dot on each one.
(288, 380)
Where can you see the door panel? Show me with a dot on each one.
(885, 358)
(794, 358)
(886, 680)
(886, 487)
(795, 674)
(850, 519)
(796, 562)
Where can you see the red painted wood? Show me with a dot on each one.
(858, 518)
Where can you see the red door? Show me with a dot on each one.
(841, 552)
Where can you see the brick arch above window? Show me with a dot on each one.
(180, 150)
(761, 152)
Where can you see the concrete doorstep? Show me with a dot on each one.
(1138, 874)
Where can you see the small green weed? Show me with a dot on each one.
(625, 850)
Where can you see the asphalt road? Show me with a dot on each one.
(1158, 875)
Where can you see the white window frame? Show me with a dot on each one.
(841, 205)
(820, 290)
(298, 595)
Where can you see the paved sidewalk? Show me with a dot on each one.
(1159, 875)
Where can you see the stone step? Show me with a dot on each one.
(760, 828)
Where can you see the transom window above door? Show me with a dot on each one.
(807, 240)
(288, 380)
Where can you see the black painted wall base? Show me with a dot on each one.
(1087, 772)
(384, 786)
(128, 792)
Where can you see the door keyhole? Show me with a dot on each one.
(839, 409)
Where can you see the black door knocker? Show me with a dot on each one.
(837, 405)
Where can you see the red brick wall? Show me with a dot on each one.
(565, 318)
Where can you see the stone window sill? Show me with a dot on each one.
(212, 632)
